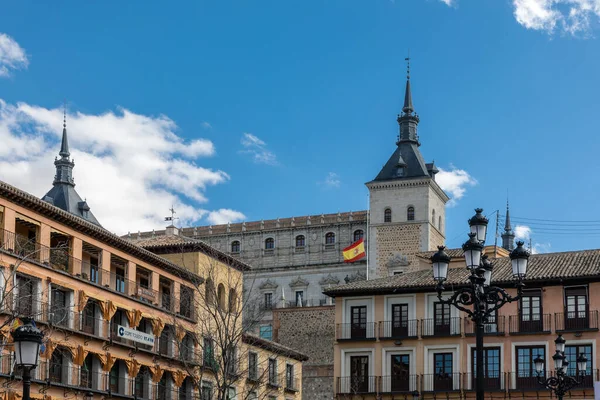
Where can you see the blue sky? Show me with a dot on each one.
(259, 109)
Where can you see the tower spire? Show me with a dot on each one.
(64, 146)
(408, 118)
(508, 236)
(408, 106)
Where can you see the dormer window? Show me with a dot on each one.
(400, 172)
(387, 215)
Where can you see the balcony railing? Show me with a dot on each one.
(398, 329)
(493, 381)
(530, 324)
(441, 382)
(400, 383)
(360, 331)
(120, 385)
(357, 384)
(441, 327)
(93, 326)
(573, 321)
(92, 273)
(528, 380)
(493, 328)
(63, 374)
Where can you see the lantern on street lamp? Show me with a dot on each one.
(472, 250)
(539, 364)
(478, 224)
(519, 259)
(440, 261)
(27, 339)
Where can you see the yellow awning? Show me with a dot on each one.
(54, 230)
(1, 208)
(27, 219)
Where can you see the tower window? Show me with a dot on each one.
(358, 234)
(235, 247)
(330, 238)
(433, 217)
(410, 213)
(270, 244)
(300, 241)
(387, 215)
(440, 222)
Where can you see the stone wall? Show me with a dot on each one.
(310, 331)
(397, 240)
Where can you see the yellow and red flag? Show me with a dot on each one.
(354, 252)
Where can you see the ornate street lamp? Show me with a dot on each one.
(88, 396)
(27, 339)
(561, 383)
(479, 300)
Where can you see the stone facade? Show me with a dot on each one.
(312, 332)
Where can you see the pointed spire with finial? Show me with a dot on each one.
(408, 105)
(508, 236)
(64, 146)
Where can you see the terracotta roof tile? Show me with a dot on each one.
(542, 267)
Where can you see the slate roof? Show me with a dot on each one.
(415, 165)
(66, 197)
(274, 347)
(547, 268)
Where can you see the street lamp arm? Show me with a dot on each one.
(560, 384)
(462, 299)
(495, 298)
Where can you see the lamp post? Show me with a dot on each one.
(561, 383)
(27, 339)
(479, 300)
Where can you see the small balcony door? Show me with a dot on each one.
(400, 372)
(359, 374)
(400, 320)
(441, 319)
(576, 308)
(88, 320)
(443, 379)
(358, 322)
(530, 313)
(491, 368)
(59, 314)
(526, 373)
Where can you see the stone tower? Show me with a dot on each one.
(407, 206)
(508, 236)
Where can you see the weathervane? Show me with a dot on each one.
(172, 218)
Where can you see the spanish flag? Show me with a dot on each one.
(354, 252)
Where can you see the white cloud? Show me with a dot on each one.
(129, 166)
(524, 233)
(206, 125)
(225, 215)
(257, 148)
(448, 2)
(332, 180)
(454, 182)
(12, 56)
(571, 16)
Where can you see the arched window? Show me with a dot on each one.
(235, 247)
(410, 213)
(209, 294)
(433, 217)
(330, 238)
(142, 382)
(300, 241)
(358, 234)
(221, 296)
(440, 222)
(270, 244)
(232, 300)
(387, 215)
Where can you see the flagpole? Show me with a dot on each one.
(367, 235)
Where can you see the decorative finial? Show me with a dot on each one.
(65, 114)
(407, 59)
